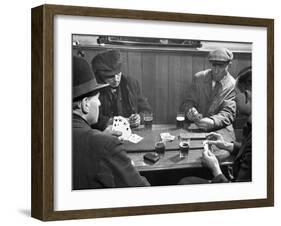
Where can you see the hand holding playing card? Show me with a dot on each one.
(108, 130)
(134, 120)
(122, 125)
(210, 160)
(193, 115)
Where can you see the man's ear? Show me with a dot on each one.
(85, 105)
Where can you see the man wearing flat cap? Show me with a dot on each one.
(242, 166)
(210, 102)
(123, 97)
(98, 159)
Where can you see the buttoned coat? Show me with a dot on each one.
(215, 102)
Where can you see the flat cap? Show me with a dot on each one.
(220, 55)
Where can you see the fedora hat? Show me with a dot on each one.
(83, 80)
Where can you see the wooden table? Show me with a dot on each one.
(171, 159)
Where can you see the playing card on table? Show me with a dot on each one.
(134, 138)
(121, 124)
(167, 136)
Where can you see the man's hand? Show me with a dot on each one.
(108, 130)
(217, 140)
(211, 161)
(193, 115)
(134, 120)
(205, 123)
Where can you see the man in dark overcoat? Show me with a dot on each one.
(123, 97)
(98, 159)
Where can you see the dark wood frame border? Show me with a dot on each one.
(42, 203)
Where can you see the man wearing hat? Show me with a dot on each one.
(242, 170)
(123, 97)
(210, 103)
(97, 157)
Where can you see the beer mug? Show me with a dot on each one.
(180, 120)
(147, 120)
(184, 143)
(160, 147)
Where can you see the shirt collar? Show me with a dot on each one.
(223, 82)
(78, 117)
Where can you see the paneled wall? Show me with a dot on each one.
(165, 76)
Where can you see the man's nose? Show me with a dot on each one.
(216, 68)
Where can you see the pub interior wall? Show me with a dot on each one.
(165, 76)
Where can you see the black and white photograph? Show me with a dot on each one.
(150, 111)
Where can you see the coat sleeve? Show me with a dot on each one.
(244, 172)
(227, 112)
(123, 172)
(236, 147)
(219, 179)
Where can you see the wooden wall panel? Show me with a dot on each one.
(125, 62)
(135, 66)
(243, 61)
(161, 88)
(186, 77)
(174, 84)
(165, 76)
(149, 77)
(198, 63)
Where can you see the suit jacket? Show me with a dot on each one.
(217, 104)
(127, 100)
(99, 161)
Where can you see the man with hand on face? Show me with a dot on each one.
(123, 97)
(98, 159)
(210, 103)
(242, 170)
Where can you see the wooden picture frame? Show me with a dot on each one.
(43, 111)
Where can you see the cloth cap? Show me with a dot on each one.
(107, 63)
(220, 55)
(83, 80)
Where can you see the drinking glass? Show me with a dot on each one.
(148, 119)
(184, 144)
(180, 120)
(160, 147)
